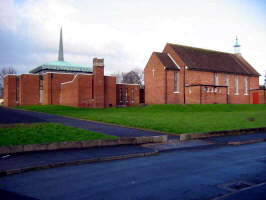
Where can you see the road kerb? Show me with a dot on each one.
(74, 162)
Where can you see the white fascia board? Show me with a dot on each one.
(173, 60)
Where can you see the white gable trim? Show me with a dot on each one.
(173, 60)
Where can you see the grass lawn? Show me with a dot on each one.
(170, 118)
(45, 133)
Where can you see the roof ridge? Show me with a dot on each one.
(159, 52)
(198, 48)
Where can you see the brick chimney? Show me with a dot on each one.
(98, 82)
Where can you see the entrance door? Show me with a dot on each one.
(255, 97)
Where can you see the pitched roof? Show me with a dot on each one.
(62, 66)
(210, 60)
(166, 61)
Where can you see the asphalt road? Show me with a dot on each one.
(195, 174)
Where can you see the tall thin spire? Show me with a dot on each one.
(61, 50)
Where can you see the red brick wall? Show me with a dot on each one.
(10, 90)
(154, 85)
(110, 91)
(51, 86)
(69, 94)
(193, 95)
(29, 89)
(212, 95)
(253, 82)
(130, 94)
(78, 92)
(85, 90)
(200, 77)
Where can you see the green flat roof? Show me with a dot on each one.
(62, 66)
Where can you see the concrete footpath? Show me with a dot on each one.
(22, 162)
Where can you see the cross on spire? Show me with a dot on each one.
(61, 50)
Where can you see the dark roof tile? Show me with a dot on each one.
(209, 60)
(166, 61)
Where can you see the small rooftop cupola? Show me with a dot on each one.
(237, 47)
(61, 50)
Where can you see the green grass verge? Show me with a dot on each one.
(46, 133)
(170, 118)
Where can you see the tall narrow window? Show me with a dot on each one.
(216, 80)
(176, 85)
(236, 84)
(126, 95)
(121, 95)
(227, 82)
(246, 86)
(132, 95)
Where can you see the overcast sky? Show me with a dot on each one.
(126, 32)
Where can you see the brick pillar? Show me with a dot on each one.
(10, 90)
(46, 88)
(29, 87)
(98, 82)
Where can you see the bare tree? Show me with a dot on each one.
(119, 76)
(265, 79)
(140, 73)
(135, 76)
(4, 71)
(132, 77)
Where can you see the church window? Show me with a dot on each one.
(126, 95)
(216, 80)
(227, 82)
(176, 85)
(236, 85)
(121, 94)
(246, 86)
(132, 95)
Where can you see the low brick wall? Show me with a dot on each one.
(193, 136)
(82, 144)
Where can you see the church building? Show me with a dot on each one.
(188, 75)
(64, 83)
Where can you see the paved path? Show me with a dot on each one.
(22, 116)
(10, 116)
(193, 174)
